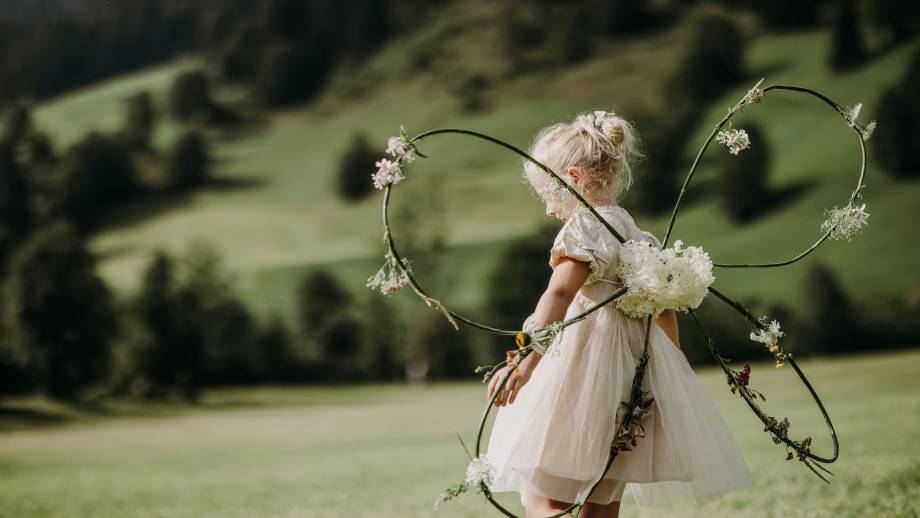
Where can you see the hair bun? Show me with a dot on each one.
(605, 125)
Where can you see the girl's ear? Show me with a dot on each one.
(574, 173)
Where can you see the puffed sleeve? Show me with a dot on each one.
(651, 238)
(585, 239)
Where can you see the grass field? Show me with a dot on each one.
(388, 450)
(290, 221)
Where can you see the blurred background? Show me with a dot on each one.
(188, 223)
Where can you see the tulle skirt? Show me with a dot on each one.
(554, 440)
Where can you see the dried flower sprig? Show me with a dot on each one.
(631, 429)
(846, 222)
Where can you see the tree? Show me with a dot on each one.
(901, 18)
(15, 211)
(713, 62)
(834, 327)
(189, 161)
(321, 300)
(355, 168)
(18, 124)
(58, 313)
(173, 358)
(897, 139)
(743, 188)
(291, 73)
(446, 351)
(97, 175)
(239, 61)
(519, 279)
(849, 47)
(190, 96)
(140, 119)
(789, 14)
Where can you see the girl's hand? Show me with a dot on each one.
(519, 377)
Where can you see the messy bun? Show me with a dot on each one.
(601, 143)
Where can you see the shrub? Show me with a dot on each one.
(744, 190)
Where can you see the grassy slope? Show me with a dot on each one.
(311, 451)
(291, 221)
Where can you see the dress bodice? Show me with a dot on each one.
(584, 238)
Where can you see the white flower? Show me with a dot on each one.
(390, 278)
(769, 336)
(479, 470)
(852, 115)
(399, 147)
(736, 140)
(674, 278)
(387, 172)
(846, 222)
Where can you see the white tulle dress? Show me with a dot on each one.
(555, 438)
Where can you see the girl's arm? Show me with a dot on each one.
(667, 321)
(567, 278)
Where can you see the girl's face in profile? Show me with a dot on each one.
(559, 201)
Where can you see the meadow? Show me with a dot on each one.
(389, 450)
(288, 219)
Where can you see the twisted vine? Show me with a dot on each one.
(629, 429)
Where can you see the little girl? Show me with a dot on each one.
(558, 412)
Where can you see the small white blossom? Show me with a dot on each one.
(852, 116)
(769, 336)
(390, 278)
(869, 130)
(846, 222)
(735, 139)
(387, 172)
(399, 147)
(853, 113)
(479, 470)
(674, 278)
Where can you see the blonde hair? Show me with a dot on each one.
(601, 144)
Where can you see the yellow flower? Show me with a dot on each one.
(779, 364)
(774, 348)
(521, 339)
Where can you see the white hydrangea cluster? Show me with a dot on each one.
(479, 470)
(674, 278)
(736, 140)
(846, 222)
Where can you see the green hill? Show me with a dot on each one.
(290, 219)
